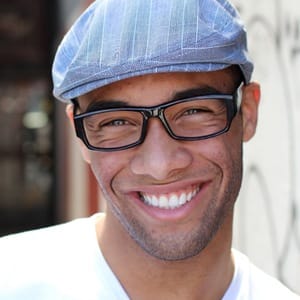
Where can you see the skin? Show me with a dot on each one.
(153, 250)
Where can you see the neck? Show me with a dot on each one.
(204, 276)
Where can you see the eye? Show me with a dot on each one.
(117, 122)
(194, 111)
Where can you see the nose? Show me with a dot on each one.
(160, 156)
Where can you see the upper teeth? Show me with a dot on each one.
(170, 201)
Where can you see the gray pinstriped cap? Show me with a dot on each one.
(117, 39)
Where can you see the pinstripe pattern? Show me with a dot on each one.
(117, 39)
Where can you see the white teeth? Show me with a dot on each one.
(154, 201)
(163, 202)
(169, 201)
(173, 201)
(182, 199)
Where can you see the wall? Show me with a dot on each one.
(267, 224)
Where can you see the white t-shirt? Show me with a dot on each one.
(64, 262)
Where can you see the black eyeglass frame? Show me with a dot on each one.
(232, 101)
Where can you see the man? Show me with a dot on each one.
(160, 95)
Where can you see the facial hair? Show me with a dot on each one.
(175, 246)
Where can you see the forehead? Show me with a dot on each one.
(154, 89)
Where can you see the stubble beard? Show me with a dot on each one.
(176, 246)
(180, 246)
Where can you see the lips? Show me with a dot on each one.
(171, 200)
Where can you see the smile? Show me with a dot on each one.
(170, 201)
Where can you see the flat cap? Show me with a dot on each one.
(117, 39)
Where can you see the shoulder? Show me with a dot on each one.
(265, 286)
(45, 259)
(258, 284)
(43, 241)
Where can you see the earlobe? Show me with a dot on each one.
(83, 148)
(250, 103)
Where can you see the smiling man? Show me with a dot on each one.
(175, 184)
(161, 97)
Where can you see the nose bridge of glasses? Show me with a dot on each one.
(155, 112)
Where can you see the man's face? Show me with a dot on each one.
(202, 177)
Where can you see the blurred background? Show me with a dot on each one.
(44, 181)
(27, 142)
(33, 156)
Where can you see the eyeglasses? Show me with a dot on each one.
(196, 118)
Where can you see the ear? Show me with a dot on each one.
(249, 108)
(84, 150)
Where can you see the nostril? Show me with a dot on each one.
(160, 160)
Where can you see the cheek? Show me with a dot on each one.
(222, 151)
(106, 166)
(232, 149)
(225, 154)
(232, 161)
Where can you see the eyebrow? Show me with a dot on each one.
(106, 104)
(185, 94)
(194, 92)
